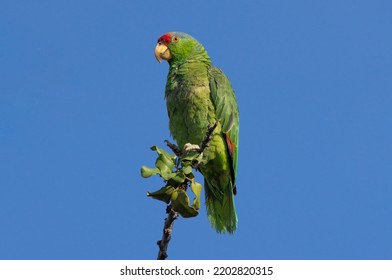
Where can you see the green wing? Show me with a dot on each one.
(226, 110)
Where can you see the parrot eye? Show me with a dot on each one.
(176, 39)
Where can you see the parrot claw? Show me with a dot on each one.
(188, 147)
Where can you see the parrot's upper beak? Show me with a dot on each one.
(162, 52)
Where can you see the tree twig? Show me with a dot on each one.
(167, 231)
(174, 148)
(207, 138)
(173, 215)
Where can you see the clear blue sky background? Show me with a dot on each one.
(81, 102)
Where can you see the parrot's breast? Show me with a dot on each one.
(189, 107)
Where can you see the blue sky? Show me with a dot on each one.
(81, 102)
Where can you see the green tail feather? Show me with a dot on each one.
(221, 210)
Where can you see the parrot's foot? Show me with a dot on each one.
(188, 147)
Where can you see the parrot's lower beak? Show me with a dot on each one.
(162, 52)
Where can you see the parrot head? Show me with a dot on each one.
(178, 46)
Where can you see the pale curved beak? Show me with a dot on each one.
(162, 52)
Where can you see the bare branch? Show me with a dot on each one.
(167, 231)
(176, 150)
(207, 138)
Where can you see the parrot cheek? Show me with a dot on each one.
(162, 52)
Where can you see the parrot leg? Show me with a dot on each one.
(188, 147)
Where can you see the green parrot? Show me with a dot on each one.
(198, 95)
